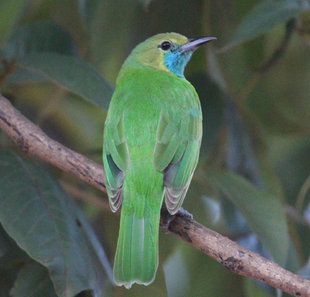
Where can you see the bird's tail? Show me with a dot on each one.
(136, 258)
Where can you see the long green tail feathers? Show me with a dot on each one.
(136, 258)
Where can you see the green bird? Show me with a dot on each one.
(152, 139)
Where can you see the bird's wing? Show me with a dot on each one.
(177, 151)
(115, 158)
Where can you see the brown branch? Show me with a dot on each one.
(34, 141)
(237, 258)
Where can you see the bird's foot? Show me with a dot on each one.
(185, 214)
(167, 218)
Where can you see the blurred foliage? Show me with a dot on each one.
(59, 61)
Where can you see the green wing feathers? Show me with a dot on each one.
(177, 150)
(115, 159)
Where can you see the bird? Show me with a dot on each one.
(152, 138)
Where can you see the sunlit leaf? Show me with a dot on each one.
(9, 13)
(33, 281)
(44, 222)
(264, 16)
(263, 212)
(72, 74)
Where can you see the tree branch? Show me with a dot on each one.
(32, 140)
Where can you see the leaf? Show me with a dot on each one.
(10, 254)
(72, 74)
(9, 13)
(43, 221)
(33, 281)
(39, 37)
(33, 38)
(262, 211)
(264, 16)
(11, 257)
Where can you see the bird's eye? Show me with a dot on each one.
(165, 45)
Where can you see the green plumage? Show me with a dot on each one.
(151, 146)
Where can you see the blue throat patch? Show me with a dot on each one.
(176, 62)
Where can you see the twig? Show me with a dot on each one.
(32, 140)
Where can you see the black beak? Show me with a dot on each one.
(194, 43)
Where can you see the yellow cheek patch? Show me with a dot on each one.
(154, 58)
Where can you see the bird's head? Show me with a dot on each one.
(167, 52)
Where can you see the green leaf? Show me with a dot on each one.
(33, 281)
(9, 13)
(33, 38)
(72, 74)
(264, 16)
(10, 254)
(39, 37)
(263, 212)
(44, 222)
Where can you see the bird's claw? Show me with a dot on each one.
(185, 214)
(167, 218)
